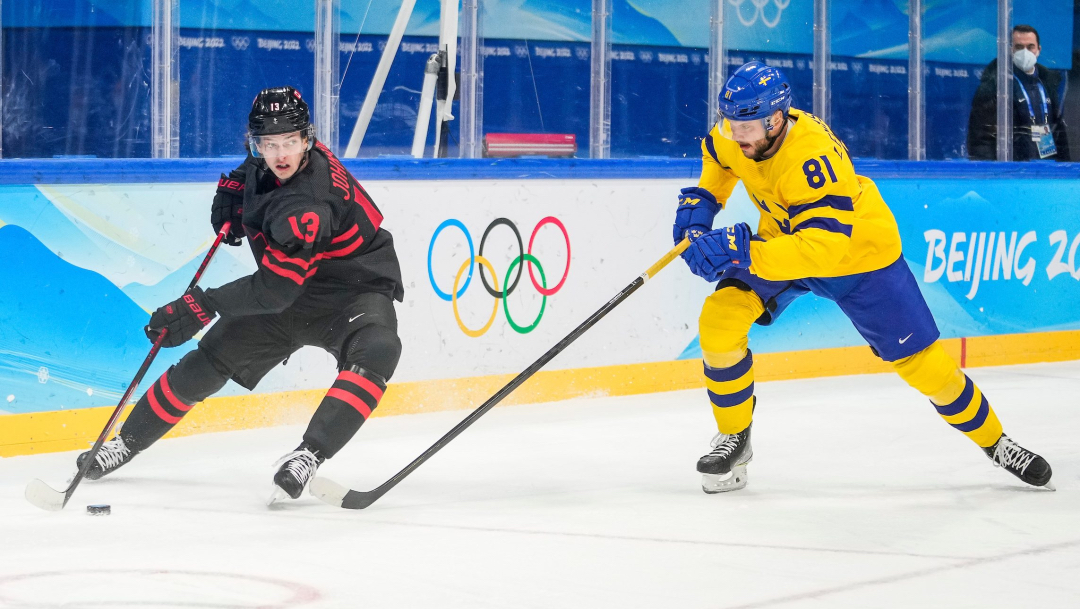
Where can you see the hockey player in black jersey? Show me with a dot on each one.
(327, 277)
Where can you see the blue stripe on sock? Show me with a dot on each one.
(980, 418)
(959, 404)
(731, 399)
(721, 375)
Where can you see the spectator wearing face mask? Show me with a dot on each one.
(1037, 97)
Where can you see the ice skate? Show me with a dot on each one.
(724, 468)
(1020, 462)
(109, 458)
(295, 471)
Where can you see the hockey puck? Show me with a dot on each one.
(99, 510)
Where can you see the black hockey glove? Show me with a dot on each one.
(183, 318)
(229, 205)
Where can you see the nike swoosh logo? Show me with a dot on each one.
(902, 340)
(361, 315)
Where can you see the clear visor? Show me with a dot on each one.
(282, 144)
(743, 131)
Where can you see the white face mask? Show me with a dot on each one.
(1024, 60)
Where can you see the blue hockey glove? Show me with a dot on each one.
(697, 208)
(718, 250)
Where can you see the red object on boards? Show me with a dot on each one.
(527, 144)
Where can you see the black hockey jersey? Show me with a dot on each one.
(316, 238)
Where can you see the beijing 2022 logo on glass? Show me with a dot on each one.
(476, 258)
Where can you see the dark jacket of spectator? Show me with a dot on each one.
(982, 124)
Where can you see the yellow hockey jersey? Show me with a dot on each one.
(818, 218)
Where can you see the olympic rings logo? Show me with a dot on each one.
(759, 11)
(476, 258)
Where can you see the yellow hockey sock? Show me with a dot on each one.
(731, 391)
(956, 398)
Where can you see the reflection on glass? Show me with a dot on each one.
(229, 51)
(76, 78)
(870, 77)
(958, 40)
(659, 78)
(779, 33)
(537, 59)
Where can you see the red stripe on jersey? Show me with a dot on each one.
(362, 383)
(281, 257)
(345, 251)
(170, 396)
(346, 235)
(286, 273)
(373, 215)
(158, 410)
(351, 400)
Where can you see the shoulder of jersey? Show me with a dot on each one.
(809, 134)
(292, 200)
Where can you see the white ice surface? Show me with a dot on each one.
(859, 496)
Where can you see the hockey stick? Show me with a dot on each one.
(335, 494)
(44, 496)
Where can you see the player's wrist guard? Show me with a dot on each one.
(694, 217)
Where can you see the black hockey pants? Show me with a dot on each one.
(361, 335)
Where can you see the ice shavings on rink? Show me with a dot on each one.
(859, 496)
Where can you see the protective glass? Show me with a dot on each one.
(282, 144)
(743, 131)
(76, 79)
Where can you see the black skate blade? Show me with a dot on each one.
(45, 497)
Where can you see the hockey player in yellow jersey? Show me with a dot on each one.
(824, 230)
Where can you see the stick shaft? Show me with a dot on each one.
(85, 467)
(354, 499)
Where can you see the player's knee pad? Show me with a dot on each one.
(375, 348)
(198, 376)
(933, 373)
(726, 318)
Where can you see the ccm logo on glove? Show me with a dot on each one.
(694, 216)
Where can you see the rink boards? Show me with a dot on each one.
(91, 246)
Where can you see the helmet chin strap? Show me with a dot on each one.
(769, 126)
(771, 139)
